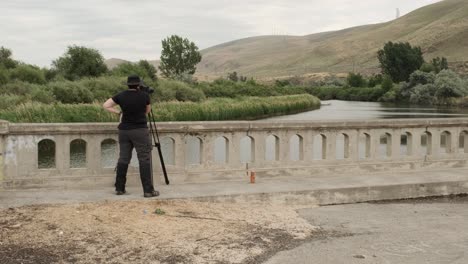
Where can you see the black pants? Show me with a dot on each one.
(141, 141)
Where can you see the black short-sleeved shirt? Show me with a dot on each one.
(133, 104)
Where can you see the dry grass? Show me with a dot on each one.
(440, 29)
(130, 232)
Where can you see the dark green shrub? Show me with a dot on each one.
(356, 80)
(375, 80)
(28, 73)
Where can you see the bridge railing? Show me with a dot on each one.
(84, 155)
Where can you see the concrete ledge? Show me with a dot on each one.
(305, 191)
(347, 195)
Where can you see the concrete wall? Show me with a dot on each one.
(359, 145)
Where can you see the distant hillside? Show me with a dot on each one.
(440, 29)
(112, 63)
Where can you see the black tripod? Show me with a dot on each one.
(157, 144)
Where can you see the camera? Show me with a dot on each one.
(146, 89)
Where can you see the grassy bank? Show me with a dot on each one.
(248, 108)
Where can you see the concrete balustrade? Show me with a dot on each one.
(84, 155)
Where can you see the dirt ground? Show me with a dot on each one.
(149, 232)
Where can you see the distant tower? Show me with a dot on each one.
(398, 13)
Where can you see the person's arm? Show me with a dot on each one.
(148, 109)
(148, 104)
(110, 105)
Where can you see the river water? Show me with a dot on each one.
(345, 110)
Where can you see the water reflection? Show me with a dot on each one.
(78, 154)
(109, 153)
(46, 154)
(344, 110)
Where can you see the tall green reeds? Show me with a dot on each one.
(248, 108)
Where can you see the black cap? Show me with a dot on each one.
(133, 80)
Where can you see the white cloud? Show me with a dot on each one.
(39, 31)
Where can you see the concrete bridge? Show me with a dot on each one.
(58, 156)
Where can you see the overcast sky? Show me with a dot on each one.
(38, 31)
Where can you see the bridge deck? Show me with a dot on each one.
(311, 190)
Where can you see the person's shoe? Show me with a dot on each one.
(151, 194)
(120, 192)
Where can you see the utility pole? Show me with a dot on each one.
(397, 13)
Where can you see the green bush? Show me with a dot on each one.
(427, 67)
(28, 73)
(3, 76)
(416, 78)
(448, 84)
(19, 88)
(219, 88)
(105, 87)
(420, 77)
(347, 94)
(390, 96)
(423, 94)
(171, 90)
(42, 96)
(230, 89)
(324, 93)
(128, 68)
(69, 92)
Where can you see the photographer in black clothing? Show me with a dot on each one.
(133, 133)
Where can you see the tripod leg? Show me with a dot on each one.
(151, 164)
(155, 134)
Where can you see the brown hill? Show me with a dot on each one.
(441, 29)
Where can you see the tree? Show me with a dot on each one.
(439, 64)
(179, 56)
(79, 61)
(149, 68)
(387, 83)
(5, 59)
(356, 80)
(399, 60)
(233, 76)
